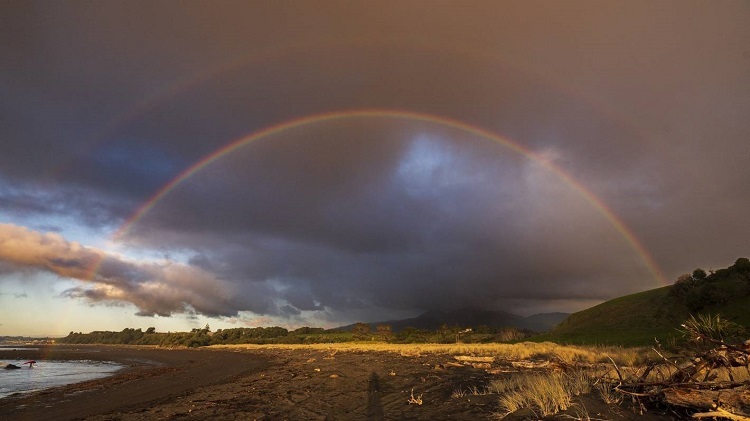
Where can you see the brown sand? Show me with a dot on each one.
(267, 384)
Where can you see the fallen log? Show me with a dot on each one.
(473, 359)
(530, 364)
(692, 398)
(733, 404)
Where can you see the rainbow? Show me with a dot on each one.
(589, 196)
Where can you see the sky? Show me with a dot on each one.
(239, 164)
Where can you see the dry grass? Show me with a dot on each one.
(505, 384)
(458, 393)
(473, 391)
(516, 352)
(544, 393)
(579, 382)
(608, 394)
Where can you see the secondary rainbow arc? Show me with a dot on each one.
(589, 196)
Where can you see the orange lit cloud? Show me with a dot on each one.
(154, 288)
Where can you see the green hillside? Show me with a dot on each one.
(639, 318)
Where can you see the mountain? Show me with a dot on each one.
(432, 320)
(545, 321)
(637, 319)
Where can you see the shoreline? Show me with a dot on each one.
(149, 375)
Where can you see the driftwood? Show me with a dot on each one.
(476, 362)
(473, 359)
(692, 382)
(530, 364)
(722, 404)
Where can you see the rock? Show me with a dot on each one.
(12, 367)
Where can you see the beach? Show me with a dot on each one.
(249, 384)
(150, 376)
(269, 383)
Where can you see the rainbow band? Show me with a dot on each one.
(590, 197)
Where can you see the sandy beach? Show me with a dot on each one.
(267, 384)
(151, 376)
(248, 384)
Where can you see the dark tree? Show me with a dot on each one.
(385, 332)
(361, 330)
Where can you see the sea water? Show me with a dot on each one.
(50, 373)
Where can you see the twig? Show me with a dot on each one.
(625, 392)
(666, 360)
(647, 371)
(617, 369)
(728, 346)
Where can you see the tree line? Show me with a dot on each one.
(304, 335)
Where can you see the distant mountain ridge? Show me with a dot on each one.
(432, 320)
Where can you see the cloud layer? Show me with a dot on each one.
(637, 102)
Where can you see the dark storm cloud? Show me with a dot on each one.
(643, 103)
(371, 217)
(33, 199)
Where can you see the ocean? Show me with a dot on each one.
(50, 373)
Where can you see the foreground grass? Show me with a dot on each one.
(514, 352)
(545, 393)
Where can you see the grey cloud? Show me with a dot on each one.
(639, 104)
(15, 294)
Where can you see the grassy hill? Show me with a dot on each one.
(639, 318)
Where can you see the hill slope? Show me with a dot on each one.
(639, 318)
(432, 320)
(630, 320)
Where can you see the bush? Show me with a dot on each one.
(707, 327)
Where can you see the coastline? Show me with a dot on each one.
(149, 375)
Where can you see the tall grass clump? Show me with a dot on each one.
(710, 327)
(608, 393)
(545, 393)
(579, 382)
